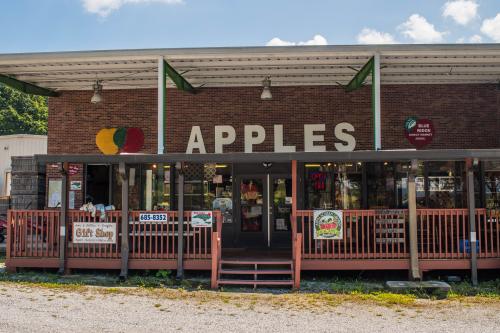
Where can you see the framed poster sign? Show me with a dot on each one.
(55, 193)
(202, 218)
(328, 224)
(94, 233)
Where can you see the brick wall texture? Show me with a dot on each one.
(464, 116)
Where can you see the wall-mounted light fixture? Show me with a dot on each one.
(266, 91)
(97, 98)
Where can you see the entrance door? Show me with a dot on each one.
(263, 208)
(251, 204)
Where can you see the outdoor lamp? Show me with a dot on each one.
(96, 98)
(266, 91)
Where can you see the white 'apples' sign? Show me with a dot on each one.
(314, 138)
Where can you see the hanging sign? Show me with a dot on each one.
(419, 132)
(328, 224)
(73, 169)
(94, 233)
(203, 218)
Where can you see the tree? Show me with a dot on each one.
(21, 113)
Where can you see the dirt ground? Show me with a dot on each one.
(47, 308)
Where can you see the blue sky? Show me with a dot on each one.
(60, 25)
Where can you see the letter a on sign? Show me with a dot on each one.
(196, 141)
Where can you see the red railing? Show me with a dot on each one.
(36, 234)
(444, 233)
(33, 233)
(87, 250)
(367, 234)
(153, 239)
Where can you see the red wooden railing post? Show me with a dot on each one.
(215, 260)
(297, 260)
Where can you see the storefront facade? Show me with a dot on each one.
(262, 164)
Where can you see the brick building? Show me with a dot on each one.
(269, 137)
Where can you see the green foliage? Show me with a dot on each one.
(21, 113)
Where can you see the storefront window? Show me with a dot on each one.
(387, 185)
(155, 179)
(208, 186)
(492, 184)
(446, 184)
(134, 187)
(333, 185)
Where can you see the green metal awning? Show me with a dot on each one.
(27, 87)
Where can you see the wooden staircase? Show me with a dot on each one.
(256, 272)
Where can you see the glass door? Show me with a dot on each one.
(252, 211)
(281, 209)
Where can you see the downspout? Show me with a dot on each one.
(161, 105)
(376, 102)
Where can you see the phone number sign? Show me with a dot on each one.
(148, 217)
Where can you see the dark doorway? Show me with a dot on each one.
(97, 184)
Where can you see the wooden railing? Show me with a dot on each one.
(444, 233)
(374, 234)
(108, 251)
(35, 234)
(367, 234)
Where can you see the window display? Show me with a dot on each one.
(333, 186)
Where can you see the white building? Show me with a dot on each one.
(17, 145)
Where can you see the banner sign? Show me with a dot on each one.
(202, 218)
(94, 233)
(328, 224)
(419, 131)
(148, 217)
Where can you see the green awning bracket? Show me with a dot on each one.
(180, 82)
(26, 87)
(359, 79)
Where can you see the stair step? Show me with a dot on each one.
(253, 271)
(257, 282)
(256, 262)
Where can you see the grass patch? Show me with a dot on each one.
(385, 298)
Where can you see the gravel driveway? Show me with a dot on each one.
(25, 308)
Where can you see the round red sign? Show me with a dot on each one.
(419, 131)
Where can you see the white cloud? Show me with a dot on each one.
(472, 39)
(316, 40)
(372, 36)
(420, 30)
(491, 28)
(105, 7)
(461, 11)
(476, 39)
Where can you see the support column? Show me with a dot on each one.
(124, 226)
(180, 219)
(412, 222)
(293, 218)
(161, 105)
(471, 204)
(64, 216)
(376, 102)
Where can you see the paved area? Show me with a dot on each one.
(25, 308)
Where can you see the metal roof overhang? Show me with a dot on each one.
(247, 66)
(356, 156)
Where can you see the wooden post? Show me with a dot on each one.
(180, 225)
(122, 169)
(293, 220)
(297, 260)
(471, 204)
(412, 221)
(8, 240)
(215, 260)
(64, 215)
